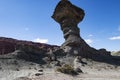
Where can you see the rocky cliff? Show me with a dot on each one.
(8, 45)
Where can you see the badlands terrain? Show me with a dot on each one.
(31, 63)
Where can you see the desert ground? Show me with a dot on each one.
(12, 68)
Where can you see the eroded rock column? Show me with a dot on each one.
(68, 16)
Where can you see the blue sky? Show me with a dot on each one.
(31, 20)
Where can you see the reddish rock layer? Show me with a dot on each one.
(8, 45)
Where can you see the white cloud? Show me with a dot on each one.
(41, 40)
(115, 38)
(90, 35)
(89, 41)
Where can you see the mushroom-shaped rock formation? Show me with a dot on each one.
(68, 16)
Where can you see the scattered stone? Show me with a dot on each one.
(38, 74)
(35, 68)
(15, 62)
(78, 70)
(58, 63)
(30, 68)
(40, 70)
(17, 69)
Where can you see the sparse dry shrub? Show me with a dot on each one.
(67, 69)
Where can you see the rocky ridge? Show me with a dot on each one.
(8, 45)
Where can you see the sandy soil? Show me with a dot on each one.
(50, 74)
(100, 71)
(17, 69)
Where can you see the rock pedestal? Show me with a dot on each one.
(68, 16)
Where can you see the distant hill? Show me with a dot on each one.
(8, 45)
(117, 53)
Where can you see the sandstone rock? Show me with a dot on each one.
(68, 16)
